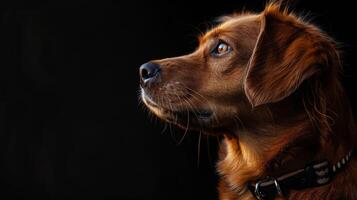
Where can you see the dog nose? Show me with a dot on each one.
(148, 72)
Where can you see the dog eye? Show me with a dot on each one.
(221, 49)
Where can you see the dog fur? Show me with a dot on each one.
(275, 97)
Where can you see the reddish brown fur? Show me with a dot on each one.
(276, 98)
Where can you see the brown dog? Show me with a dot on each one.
(269, 83)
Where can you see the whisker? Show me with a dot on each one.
(208, 150)
(175, 122)
(192, 107)
(188, 122)
(164, 129)
(199, 150)
(203, 101)
(194, 110)
(239, 121)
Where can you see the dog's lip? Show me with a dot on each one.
(148, 99)
(200, 114)
(205, 113)
(180, 116)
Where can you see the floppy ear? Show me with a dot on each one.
(287, 52)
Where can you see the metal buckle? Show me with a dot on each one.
(260, 195)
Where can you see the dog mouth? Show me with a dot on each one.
(200, 115)
(188, 118)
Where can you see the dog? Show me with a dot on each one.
(269, 84)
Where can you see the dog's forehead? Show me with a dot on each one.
(238, 21)
(233, 24)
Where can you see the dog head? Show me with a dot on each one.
(248, 62)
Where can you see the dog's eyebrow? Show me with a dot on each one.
(210, 34)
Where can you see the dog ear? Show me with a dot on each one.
(287, 52)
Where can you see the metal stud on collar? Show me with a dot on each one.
(342, 162)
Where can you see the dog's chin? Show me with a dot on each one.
(197, 120)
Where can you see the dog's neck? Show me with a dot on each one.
(271, 150)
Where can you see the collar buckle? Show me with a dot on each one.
(260, 195)
(314, 175)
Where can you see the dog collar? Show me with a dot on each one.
(313, 175)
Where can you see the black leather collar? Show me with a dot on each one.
(313, 175)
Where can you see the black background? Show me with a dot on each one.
(71, 126)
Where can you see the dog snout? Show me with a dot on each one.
(149, 72)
